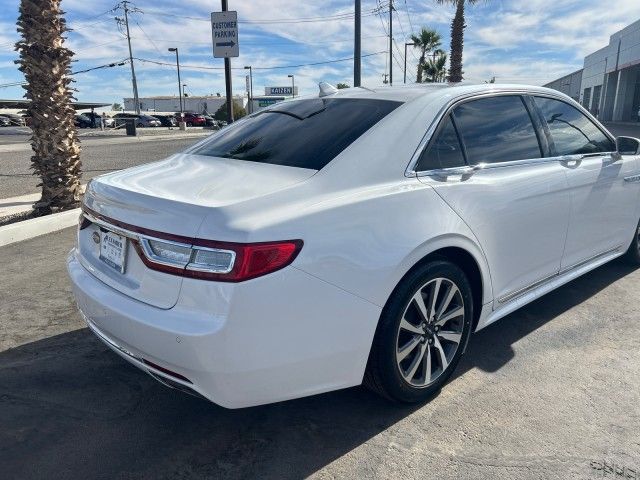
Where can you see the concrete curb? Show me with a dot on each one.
(23, 203)
(19, 231)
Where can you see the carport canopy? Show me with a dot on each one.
(18, 104)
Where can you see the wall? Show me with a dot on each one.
(569, 84)
(171, 104)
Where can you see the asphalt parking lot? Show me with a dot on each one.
(99, 156)
(550, 392)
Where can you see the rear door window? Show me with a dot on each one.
(444, 151)
(497, 129)
(305, 133)
(572, 132)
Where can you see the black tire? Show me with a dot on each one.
(633, 254)
(189, 124)
(140, 125)
(383, 374)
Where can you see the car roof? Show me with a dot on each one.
(437, 91)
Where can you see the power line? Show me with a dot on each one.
(328, 18)
(406, 9)
(145, 34)
(106, 65)
(83, 27)
(100, 45)
(290, 43)
(382, 22)
(202, 67)
(88, 19)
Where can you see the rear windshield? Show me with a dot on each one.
(301, 133)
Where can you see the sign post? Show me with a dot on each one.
(224, 29)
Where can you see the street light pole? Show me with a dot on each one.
(357, 45)
(390, 42)
(293, 85)
(179, 81)
(250, 68)
(405, 59)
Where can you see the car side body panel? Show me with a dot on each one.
(365, 219)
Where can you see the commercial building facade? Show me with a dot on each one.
(609, 83)
(200, 104)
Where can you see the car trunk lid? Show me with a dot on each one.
(168, 199)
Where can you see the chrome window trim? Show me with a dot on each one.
(411, 172)
(445, 172)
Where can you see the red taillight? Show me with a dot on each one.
(252, 259)
(243, 261)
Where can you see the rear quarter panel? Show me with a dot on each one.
(364, 241)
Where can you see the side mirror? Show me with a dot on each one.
(628, 146)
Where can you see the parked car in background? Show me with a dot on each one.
(144, 120)
(141, 121)
(211, 122)
(4, 122)
(108, 121)
(83, 121)
(15, 119)
(167, 120)
(193, 119)
(357, 237)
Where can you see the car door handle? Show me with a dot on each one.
(466, 170)
(571, 161)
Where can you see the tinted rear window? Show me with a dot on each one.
(444, 151)
(303, 133)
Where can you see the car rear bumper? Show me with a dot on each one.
(282, 336)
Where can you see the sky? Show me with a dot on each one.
(517, 41)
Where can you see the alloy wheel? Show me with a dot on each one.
(430, 332)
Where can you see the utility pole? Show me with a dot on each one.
(357, 45)
(227, 76)
(125, 6)
(390, 42)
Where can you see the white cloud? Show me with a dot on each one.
(533, 41)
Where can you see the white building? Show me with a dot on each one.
(609, 85)
(201, 104)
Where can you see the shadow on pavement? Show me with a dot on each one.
(70, 408)
(491, 348)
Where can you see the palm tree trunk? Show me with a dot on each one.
(45, 63)
(457, 42)
(420, 68)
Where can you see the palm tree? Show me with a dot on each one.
(457, 38)
(45, 63)
(435, 68)
(427, 41)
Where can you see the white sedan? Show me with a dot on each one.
(359, 235)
